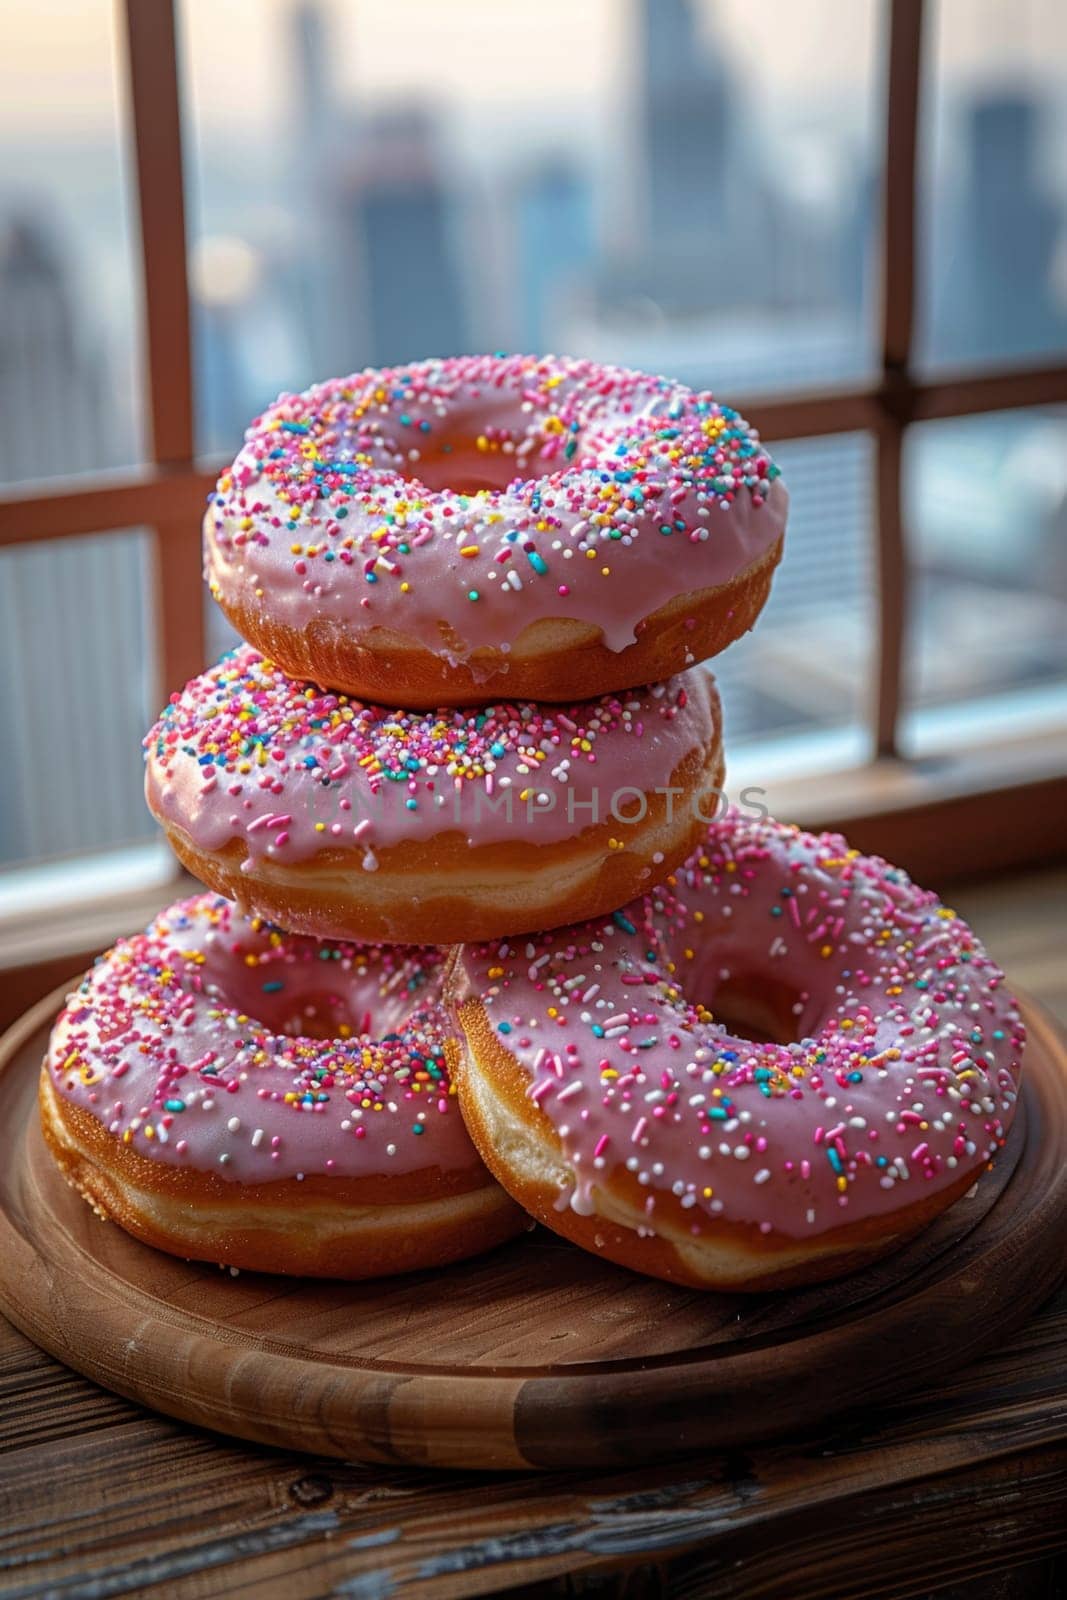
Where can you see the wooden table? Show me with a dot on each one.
(101, 1499)
(962, 1491)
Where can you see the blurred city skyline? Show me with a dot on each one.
(536, 216)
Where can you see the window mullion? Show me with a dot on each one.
(157, 139)
(897, 396)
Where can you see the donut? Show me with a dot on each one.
(454, 531)
(340, 819)
(861, 1075)
(233, 1094)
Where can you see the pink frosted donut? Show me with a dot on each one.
(452, 531)
(230, 1093)
(606, 1098)
(340, 819)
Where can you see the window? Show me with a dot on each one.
(70, 376)
(993, 184)
(644, 183)
(851, 221)
(987, 510)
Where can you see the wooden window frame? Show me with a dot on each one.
(964, 814)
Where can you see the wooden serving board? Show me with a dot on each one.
(536, 1355)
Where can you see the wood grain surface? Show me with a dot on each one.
(959, 1481)
(536, 1355)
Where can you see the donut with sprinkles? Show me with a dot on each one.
(779, 1065)
(453, 531)
(342, 819)
(230, 1093)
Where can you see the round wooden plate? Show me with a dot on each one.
(536, 1355)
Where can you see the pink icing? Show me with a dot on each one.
(581, 491)
(191, 1042)
(903, 1073)
(245, 753)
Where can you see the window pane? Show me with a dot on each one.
(803, 674)
(650, 183)
(76, 666)
(994, 182)
(987, 510)
(70, 388)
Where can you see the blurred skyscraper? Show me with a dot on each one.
(555, 247)
(318, 129)
(688, 119)
(72, 614)
(720, 235)
(400, 294)
(310, 44)
(51, 382)
(690, 220)
(997, 294)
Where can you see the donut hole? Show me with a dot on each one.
(753, 1006)
(458, 464)
(298, 999)
(357, 1010)
(324, 1016)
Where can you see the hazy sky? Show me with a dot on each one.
(58, 69)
